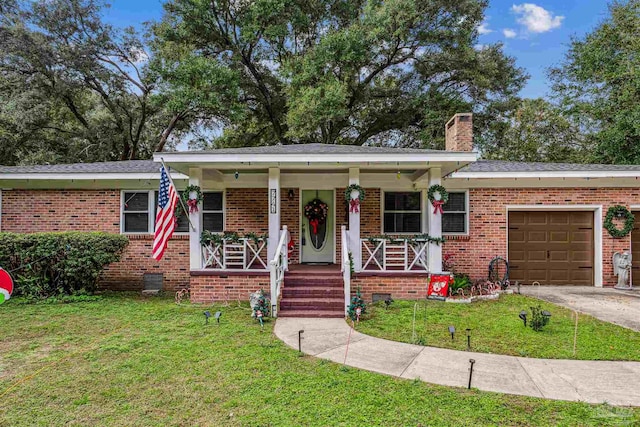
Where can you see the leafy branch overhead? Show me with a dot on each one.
(341, 72)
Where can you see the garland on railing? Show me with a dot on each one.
(416, 238)
(207, 237)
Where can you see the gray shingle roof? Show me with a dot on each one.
(505, 166)
(127, 166)
(317, 149)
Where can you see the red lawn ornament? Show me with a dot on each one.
(439, 285)
(6, 286)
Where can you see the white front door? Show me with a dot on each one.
(317, 226)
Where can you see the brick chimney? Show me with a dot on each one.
(459, 133)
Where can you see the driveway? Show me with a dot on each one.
(608, 304)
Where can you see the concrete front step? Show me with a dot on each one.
(312, 313)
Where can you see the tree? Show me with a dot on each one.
(598, 84)
(337, 71)
(74, 88)
(536, 131)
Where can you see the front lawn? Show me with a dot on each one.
(130, 361)
(496, 328)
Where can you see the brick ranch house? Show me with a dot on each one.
(546, 219)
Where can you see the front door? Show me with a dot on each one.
(317, 226)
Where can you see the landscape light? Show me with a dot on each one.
(207, 315)
(452, 331)
(468, 339)
(523, 316)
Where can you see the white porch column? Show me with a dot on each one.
(274, 212)
(435, 225)
(195, 250)
(354, 225)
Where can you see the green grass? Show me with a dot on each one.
(129, 361)
(496, 328)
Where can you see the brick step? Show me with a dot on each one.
(312, 292)
(337, 275)
(328, 283)
(311, 303)
(312, 314)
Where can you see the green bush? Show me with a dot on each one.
(460, 281)
(50, 264)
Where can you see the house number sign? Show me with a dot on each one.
(272, 201)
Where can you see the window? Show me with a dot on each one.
(137, 205)
(454, 219)
(212, 211)
(135, 211)
(402, 212)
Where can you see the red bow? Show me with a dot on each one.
(355, 205)
(193, 205)
(437, 206)
(314, 225)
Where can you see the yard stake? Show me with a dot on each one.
(575, 334)
(347, 349)
(413, 334)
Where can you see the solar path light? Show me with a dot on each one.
(452, 331)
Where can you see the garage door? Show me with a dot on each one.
(635, 251)
(553, 248)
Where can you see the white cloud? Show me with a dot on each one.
(536, 19)
(509, 33)
(484, 28)
(480, 46)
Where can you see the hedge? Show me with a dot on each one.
(49, 264)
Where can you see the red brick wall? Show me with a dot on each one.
(403, 286)
(30, 211)
(213, 288)
(247, 210)
(488, 222)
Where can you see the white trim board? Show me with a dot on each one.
(88, 176)
(546, 174)
(598, 278)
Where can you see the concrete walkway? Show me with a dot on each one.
(616, 383)
(608, 304)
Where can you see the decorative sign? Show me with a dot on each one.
(273, 201)
(6, 286)
(438, 285)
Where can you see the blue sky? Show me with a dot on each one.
(536, 34)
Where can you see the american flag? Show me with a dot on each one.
(165, 218)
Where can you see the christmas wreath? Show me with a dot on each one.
(192, 203)
(354, 204)
(618, 211)
(444, 197)
(316, 212)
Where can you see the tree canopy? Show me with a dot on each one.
(598, 85)
(335, 71)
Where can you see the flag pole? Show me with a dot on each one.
(179, 198)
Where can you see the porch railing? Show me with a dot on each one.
(346, 268)
(278, 265)
(395, 255)
(244, 254)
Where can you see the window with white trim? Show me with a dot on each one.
(402, 212)
(136, 206)
(213, 211)
(454, 218)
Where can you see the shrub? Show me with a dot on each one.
(50, 264)
(357, 303)
(460, 281)
(539, 318)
